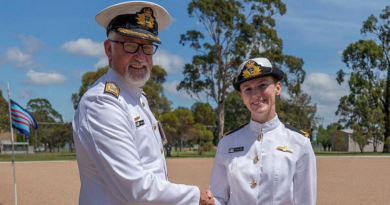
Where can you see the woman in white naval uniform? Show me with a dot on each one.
(264, 161)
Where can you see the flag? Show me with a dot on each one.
(22, 119)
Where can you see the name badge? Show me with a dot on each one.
(236, 149)
(139, 123)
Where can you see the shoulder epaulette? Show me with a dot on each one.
(143, 93)
(304, 133)
(112, 88)
(231, 131)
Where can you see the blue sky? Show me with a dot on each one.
(47, 45)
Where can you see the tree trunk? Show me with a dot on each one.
(387, 112)
(168, 149)
(221, 118)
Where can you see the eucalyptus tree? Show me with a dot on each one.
(370, 60)
(4, 114)
(235, 30)
(153, 88)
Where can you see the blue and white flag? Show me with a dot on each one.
(22, 119)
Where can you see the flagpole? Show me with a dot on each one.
(13, 153)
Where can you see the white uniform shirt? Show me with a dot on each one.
(249, 169)
(120, 151)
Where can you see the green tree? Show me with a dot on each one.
(203, 137)
(48, 119)
(370, 59)
(359, 137)
(237, 113)
(324, 136)
(43, 107)
(204, 114)
(298, 112)
(376, 127)
(87, 81)
(237, 29)
(4, 114)
(170, 123)
(363, 106)
(158, 103)
(154, 89)
(186, 119)
(339, 141)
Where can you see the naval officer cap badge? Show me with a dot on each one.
(256, 68)
(137, 19)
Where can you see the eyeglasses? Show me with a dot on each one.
(132, 47)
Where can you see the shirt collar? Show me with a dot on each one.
(264, 127)
(131, 89)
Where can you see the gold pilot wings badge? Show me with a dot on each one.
(284, 149)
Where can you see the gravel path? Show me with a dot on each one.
(341, 180)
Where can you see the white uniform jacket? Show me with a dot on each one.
(120, 151)
(264, 164)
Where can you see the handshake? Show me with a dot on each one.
(206, 198)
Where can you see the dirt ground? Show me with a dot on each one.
(341, 180)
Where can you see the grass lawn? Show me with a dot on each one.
(40, 156)
(192, 154)
(56, 156)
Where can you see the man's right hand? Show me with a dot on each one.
(206, 198)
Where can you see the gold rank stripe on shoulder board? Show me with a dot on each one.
(112, 88)
(305, 133)
(230, 132)
(284, 149)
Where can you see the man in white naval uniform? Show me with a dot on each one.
(264, 161)
(118, 140)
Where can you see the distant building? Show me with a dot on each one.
(6, 145)
(352, 146)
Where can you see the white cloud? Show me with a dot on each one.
(322, 31)
(326, 93)
(31, 44)
(357, 4)
(78, 74)
(185, 98)
(170, 62)
(170, 88)
(173, 19)
(21, 59)
(84, 47)
(26, 94)
(45, 78)
(103, 61)
(24, 58)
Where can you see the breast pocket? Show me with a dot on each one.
(148, 150)
(284, 166)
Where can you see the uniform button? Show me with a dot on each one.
(253, 183)
(154, 126)
(256, 159)
(143, 104)
(259, 137)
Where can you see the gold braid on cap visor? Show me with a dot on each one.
(127, 31)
